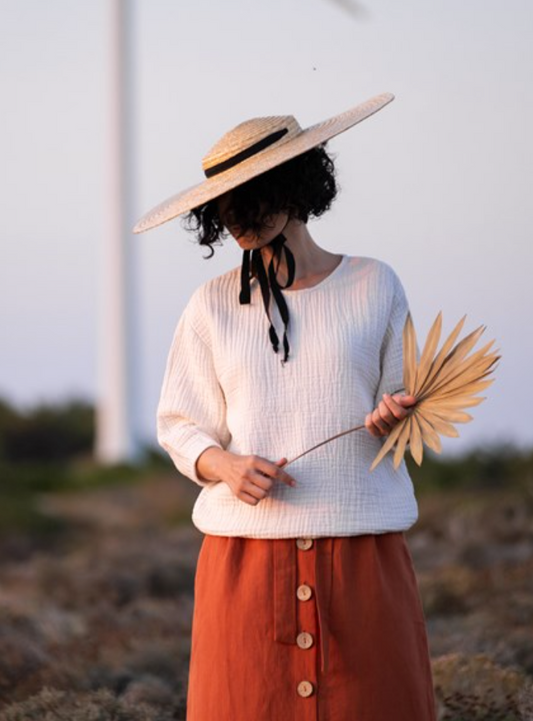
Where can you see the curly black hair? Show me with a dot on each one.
(304, 187)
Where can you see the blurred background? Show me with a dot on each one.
(109, 107)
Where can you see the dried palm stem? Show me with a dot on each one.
(443, 384)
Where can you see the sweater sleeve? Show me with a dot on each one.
(191, 414)
(391, 354)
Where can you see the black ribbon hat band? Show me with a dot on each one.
(267, 282)
(246, 153)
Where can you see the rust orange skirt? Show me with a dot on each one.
(300, 629)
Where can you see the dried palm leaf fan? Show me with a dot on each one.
(443, 385)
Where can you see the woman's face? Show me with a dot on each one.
(272, 227)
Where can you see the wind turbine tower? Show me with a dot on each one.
(118, 437)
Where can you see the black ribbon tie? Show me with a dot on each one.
(270, 282)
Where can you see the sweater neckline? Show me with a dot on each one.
(323, 282)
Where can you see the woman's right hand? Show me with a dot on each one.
(250, 477)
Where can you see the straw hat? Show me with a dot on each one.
(251, 148)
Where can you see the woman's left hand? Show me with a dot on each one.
(390, 411)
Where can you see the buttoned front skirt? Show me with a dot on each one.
(308, 629)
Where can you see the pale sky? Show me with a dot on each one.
(438, 184)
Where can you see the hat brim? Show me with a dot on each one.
(267, 159)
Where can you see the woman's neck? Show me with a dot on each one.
(310, 259)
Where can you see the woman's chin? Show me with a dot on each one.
(247, 243)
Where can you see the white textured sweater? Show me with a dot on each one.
(225, 386)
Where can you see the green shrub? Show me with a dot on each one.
(47, 432)
(495, 467)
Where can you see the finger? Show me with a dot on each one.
(405, 401)
(386, 414)
(371, 427)
(281, 463)
(248, 498)
(258, 486)
(374, 429)
(398, 411)
(379, 422)
(256, 479)
(273, 471)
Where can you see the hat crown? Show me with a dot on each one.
(236, 158)
(247, 134)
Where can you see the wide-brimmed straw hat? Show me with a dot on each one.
(251, 148)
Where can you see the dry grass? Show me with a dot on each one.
(101, 629)
(51, 704)
(474, 688)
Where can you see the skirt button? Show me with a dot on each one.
(305, 688)
(304, 543)
(304, 640)
(304, 592)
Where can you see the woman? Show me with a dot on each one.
(306, 600)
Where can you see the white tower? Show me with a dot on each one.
(118, 404)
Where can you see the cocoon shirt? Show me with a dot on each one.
(224, 386)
